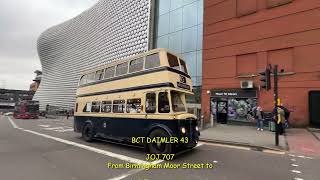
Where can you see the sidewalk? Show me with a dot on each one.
(243, 135)
(303, 142)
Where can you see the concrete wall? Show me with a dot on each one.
(242, 36)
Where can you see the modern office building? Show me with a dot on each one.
(242, 37)
(112, 30)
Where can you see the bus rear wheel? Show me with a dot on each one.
(159, 148)
(88, 133)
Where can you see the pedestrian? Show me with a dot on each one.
(279, 115)
(68, 114)
(259, 118)
(286, 115)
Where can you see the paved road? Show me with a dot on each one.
(49, 149)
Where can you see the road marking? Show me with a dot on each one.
(12, 123)
(65, 130)
(44, 125)
(305, 157)
(292, 155)
(99, 151)
(53, 128)
(294, 165)
(296, 171)
(298, 178)
(273, 152)
(228, 146)
(293, 159)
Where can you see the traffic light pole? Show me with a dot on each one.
(275, 75)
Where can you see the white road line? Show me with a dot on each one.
(99, 151)
(294, 165)
(273, 152)
(305, 157)
(292, 155)
(293, 159)
(64, 130)
(12, 123)
(53, 128)
(296, 171)
(43, 125)
(298, 178)
(228, 146)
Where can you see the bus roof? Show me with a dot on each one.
(115, 62)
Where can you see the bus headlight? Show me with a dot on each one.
(197, 129)
(183, 130)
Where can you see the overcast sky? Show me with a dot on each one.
(21, 23)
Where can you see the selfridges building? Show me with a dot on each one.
(112, 30)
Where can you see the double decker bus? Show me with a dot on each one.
(140, 96)
(26, 110)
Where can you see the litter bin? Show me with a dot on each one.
(272, 126)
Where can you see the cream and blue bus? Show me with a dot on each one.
(140, 96)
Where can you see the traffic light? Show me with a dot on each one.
(265, 79)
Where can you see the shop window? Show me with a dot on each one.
(163, 103)
(151, 103)
(106, 106)
(246, 7)
(275, 3)
(133, 105)
(118, 106)
(136, 65)
(95, 106)
(152, 61)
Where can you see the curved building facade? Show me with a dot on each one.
(108, 31)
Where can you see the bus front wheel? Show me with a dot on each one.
(159, 148)
(87, 132)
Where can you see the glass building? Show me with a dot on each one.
(179, 28)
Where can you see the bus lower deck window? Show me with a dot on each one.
(151, 103)
(163, 103)
(118, 106)
(106, 106)
(133, 105)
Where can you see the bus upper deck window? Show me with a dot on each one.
(151, 103)
(173, 61)
(109, 72)
(122, 69)
(136, 65)
(163, 103)
(152, 61)
(99, 75)
(83, 80)
(183, 66)
(90, 78)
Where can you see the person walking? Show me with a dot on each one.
(259, 118)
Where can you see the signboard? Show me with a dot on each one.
(233, 93)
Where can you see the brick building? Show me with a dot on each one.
(241, 37)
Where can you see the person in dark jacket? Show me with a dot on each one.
(286, 115)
